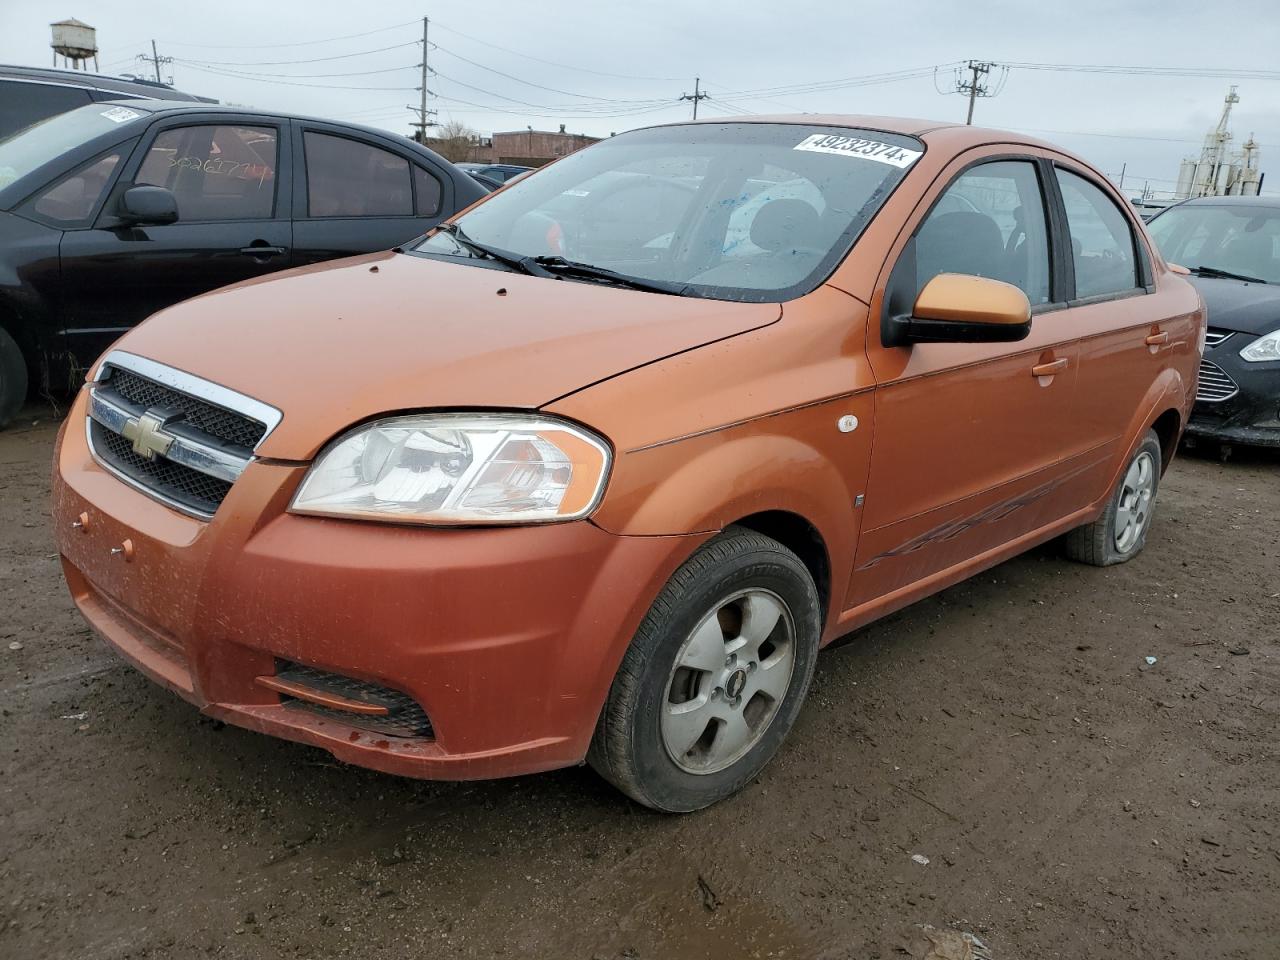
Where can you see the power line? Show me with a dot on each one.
(285, 63)
(282, 82)
(552, 63)
(299, 43)
(527, 83)
(1212, 72)
(298, 76)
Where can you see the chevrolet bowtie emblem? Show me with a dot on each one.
(147, 435)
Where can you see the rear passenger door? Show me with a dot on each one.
(971, 439)
(1123, 341)
(357, 194)
(230, 176)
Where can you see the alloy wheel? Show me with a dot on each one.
(1134, 508)
(730, 676)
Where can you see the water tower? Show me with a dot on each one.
(76, 41)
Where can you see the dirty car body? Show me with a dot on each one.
(649, 449)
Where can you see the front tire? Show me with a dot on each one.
(714, 678)
(13, 379)
(1121, 532)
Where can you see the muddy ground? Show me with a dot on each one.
(1071, 801)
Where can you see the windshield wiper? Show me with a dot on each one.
(1224, 274)
(560, 267)
(516, 261)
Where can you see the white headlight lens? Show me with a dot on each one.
(1264, 348)
(453, 468)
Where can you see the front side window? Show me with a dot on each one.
(348, 178)
(1240, 239)
(735, 211)
(73, 198)
(1102, 241)
(216, 172)
(990, 222)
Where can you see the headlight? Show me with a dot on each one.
(1264, 348)
(458, 468)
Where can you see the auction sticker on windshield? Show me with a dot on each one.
(120, 114)
(857, 147)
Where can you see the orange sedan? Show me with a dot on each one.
(593, 471)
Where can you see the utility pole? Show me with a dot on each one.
(974, 86)
(696, 95)
(155, 60)
(424, 115)
(1123, 167)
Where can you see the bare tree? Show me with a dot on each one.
(454, 141)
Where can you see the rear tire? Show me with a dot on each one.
(1121, 532)
(13, 379)
(714, 678)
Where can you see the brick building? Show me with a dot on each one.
(526, 148)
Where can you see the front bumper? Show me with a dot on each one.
(1252, 414)
(508, 638)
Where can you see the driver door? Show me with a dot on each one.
(970, 438)
(230, 178)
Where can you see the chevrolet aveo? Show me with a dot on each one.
(593, 471)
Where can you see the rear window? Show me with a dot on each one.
(22, 104)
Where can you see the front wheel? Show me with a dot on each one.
(1120, 533)
(714, 678)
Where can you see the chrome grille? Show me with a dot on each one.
(1215, 384)
(182, 440)
(197, 492)
(1215, 337)
(225, 425)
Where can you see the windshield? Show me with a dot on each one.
(1233, 238)
(33, 146)
(737, 211)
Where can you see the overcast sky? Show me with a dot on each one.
(600, 66)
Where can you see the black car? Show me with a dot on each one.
(112, 211)
(1231, 245)
(31, 94)
(499, 173)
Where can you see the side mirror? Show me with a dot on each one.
(148, 205)
(957, 308)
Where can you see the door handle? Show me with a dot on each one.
(262, 250)
(1157, 339)
(1050, 368)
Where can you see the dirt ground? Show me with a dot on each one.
(1071, 801)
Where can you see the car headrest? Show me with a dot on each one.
(786, 225)
(960, 242)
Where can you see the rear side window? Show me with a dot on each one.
(73, 198)
(216, 172)
(1102, 242)
(990, 222)
(428, 190)
(349, 178)
(22, 104)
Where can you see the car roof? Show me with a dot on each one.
(956, 135)
(165, 108)
(128, 86)
(1231, 202)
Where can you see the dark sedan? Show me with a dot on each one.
(112, 211)
(1231, 245)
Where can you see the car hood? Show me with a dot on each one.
(335, 344)
(1236, 305)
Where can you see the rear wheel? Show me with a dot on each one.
(13, 379)
(1120, 533)
(714, 678)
